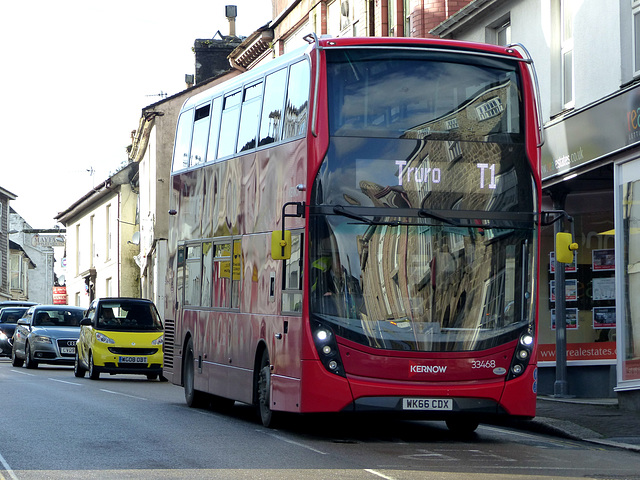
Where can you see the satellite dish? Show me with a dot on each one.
(135, 239)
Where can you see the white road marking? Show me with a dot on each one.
(280, 437)
(381, 475)
(7, 469)
(64, 381)
(123, 394)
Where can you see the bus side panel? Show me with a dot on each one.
(173, 330)
(285, 393)
(193, 323)
(243, 336)
(270, 183)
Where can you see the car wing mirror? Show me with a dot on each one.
(85, 321)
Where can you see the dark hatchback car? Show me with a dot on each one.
(8, 318)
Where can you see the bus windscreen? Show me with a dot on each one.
(422, 228)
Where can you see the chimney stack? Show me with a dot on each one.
(231, 11)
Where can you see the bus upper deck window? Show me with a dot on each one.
(183, 141)
(295, 120)
(229, 125)
(200, 134)
(249, 117)
(273, 100)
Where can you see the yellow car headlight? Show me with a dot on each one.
(102, 338)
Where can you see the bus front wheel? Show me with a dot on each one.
(462, 426)
(263, 387)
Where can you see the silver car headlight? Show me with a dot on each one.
(42, 339)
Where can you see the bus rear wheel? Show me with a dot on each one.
(193, 397)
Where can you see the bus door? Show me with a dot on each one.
(288, 342)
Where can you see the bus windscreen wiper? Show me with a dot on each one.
(340, 210)
(423, 212)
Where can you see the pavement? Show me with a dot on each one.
(598, 421)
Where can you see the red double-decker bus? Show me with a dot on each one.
(355, 228)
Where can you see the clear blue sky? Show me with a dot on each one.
(75, 75)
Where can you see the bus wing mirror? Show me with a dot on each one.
(565, 247)
(281, 245)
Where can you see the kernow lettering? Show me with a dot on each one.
(428, 369)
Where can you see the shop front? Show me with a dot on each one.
(590, 163)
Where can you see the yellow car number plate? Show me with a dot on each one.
(133, 360)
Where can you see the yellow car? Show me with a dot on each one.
(120, 335)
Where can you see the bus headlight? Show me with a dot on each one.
(521, 355)
(322, 335)
(526, 340)
(327, 348)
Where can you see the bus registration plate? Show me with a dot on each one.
(427, 404)
(133, 360)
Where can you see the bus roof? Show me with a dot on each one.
(326, 42)
(330, 42)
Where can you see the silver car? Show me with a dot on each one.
(46, 334)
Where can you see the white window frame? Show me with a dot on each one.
(506, 29)
(635, 28)
(407, 17)
(566, 48)
(15, 272)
